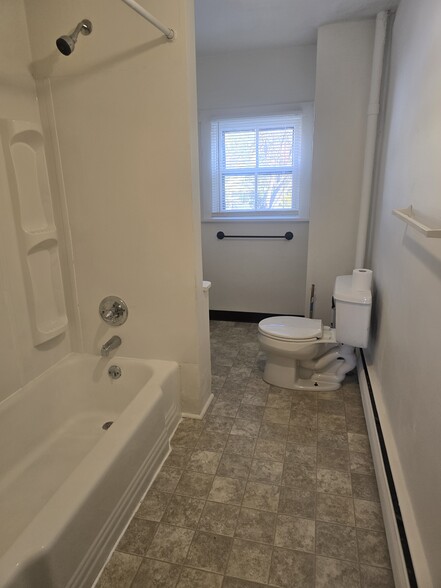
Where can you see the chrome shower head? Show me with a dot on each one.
(66, 43)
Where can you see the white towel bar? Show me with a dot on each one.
(409, 216)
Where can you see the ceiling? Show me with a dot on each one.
(225, 25)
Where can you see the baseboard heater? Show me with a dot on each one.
(242, 317)
(402, 565)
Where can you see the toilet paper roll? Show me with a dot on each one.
(361, 279)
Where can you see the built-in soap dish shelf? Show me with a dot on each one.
(24, 154)
(39, 239)
(428, 227)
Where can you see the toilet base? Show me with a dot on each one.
(286, 377)
(324, 373)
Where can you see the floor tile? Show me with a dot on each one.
(269, 449)
(292, 569)
(153, 506)
(218, 424)
(295, 533)
(170, 544)
(167, 480)
(178, 457)
(119, 571)
(334, 482)
(365, 487)
(157, 574)
(372, 548)
(227, 490)
(250, 412)
(255, 397)
(226, 408)
(297, 502)
(219, 518)
(194, 484)
(238, 583)
(234, 466)
(302, 435)
(333, 439)
(209, 552)
(249, 561)
(183, 511)
(336, 541)
(334, 572)
(301, 454)
(240, 445)
(212, 441)
(203, 461)
(333, 459)
(331, 422)
(185, 439)
(138, 537)
(329, 406)
(361, 463)
(335, 509)
(266, 471)
(256, 525)
(261, 496)
(359, 443)
(273, 431)
(191, 578)
(276, 415)
(245, 428)
(300, 475)
(368, 515)
(376, 577)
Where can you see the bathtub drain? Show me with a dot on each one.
(107, 425)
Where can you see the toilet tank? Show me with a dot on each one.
(352, 313)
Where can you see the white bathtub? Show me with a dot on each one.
(68, 487)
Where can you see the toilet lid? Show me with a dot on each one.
(291, 327)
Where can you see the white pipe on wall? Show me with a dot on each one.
(371, 136)
(169, 33)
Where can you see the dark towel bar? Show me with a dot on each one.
(288, 236)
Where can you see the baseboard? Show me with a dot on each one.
(200, 416)
(397, 538)
(243, 317)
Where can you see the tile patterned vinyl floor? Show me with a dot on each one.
(273, 487)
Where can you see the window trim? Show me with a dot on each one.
(206, 117)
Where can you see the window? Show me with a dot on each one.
(258, 167)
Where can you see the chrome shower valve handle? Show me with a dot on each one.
(113, 311)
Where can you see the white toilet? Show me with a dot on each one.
(302, 354)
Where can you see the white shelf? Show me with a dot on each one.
(429, 228)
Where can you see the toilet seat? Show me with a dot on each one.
(291, 328)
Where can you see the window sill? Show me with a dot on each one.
(259, 219)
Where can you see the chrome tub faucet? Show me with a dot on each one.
(112, 343)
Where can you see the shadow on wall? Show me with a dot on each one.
(430, 260)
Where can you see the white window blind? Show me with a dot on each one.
(256, 165)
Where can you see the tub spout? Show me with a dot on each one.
(112, 343)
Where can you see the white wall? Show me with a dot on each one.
(124, 109)
(256, 276)
(21, 361)
(344, 61)
(405, 349)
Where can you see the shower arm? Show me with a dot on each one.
(169, 33)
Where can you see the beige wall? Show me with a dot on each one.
(123, 105)
(256, 276)
(344, 61)
(405, 347)
(21, 361)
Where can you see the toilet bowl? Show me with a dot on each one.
(302, 354)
